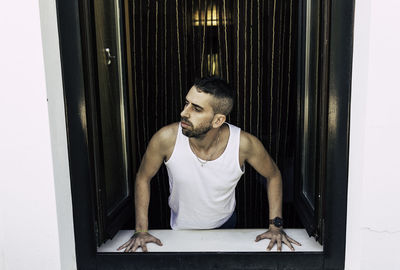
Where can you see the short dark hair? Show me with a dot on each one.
(220, 89)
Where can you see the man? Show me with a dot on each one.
(205, 159)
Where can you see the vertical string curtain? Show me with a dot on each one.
(249, 43)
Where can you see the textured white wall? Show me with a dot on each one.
(27, 201)
(29, 228)
(29, 236)
(52, 62)
(373, 229)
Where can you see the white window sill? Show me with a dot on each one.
(227, 240)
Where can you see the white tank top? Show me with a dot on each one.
(203, 197)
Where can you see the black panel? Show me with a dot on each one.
(114, 202)
(80, 172)
(312, 119)
(234, 261)
(340, 56)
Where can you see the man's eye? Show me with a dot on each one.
(197, 109)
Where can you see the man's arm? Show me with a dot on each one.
(256, 155)
(253, 151)
(158, 149)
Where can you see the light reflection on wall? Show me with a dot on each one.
(213, 64)
(211, 17)
(82, 116)
(208, 20)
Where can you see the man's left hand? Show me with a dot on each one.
(277, 236)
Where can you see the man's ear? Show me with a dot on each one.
(218, 120)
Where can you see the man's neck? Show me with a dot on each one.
(206, 142)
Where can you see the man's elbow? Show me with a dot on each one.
(275, 176)
(141, 179)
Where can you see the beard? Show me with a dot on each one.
(198, 132)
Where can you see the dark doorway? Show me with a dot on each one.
(149, 53)
(253, 45)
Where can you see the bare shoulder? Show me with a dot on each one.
(253, 151)
(250, 146)
(247, 141)
(158, 150)
(166, 136)
(163, 141)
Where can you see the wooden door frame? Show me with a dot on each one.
(339, 84)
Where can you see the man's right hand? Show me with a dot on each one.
(139, 240)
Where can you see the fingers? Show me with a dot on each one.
(132, 247)
(278, 241)
(277, 238)
(134, 243)
(286, 241)
(262, 236)
(291, 240)
(258, 238)
(124, 245)
(156, 240)
(279, 244)
(271, 244)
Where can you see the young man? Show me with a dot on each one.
(205, 159)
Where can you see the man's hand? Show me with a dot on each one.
(278, 236)
(139, 240)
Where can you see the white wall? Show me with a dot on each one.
(32, 193)
(29, 225)
(373, 229)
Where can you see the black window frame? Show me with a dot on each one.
(311, 213)
(337, 141)
(107, 224)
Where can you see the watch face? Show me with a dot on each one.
(278, 222)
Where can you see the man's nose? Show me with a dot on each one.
(184, 112)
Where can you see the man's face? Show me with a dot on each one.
(197, 115)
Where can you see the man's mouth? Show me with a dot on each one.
(185, 124)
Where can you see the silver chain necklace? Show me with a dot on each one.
(203, 162)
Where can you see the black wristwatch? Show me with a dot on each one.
(277, 222)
